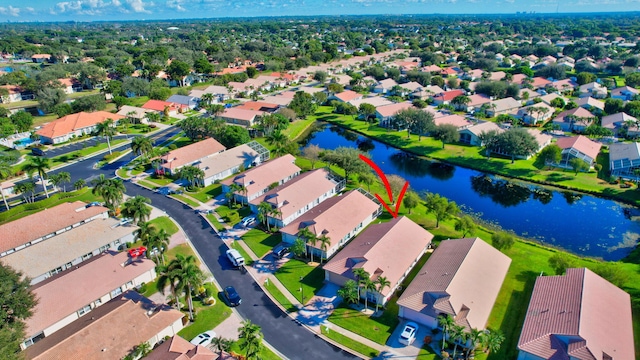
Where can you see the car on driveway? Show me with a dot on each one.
(204, 339)
(233, 299)
(248, 220)
(281, 251)
(408, 334)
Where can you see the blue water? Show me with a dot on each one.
(7, 69)
(23, 142)
(585, 225)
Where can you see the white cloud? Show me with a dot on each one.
(176, 4)
(10, 10)
(30, 9)
(139, 6)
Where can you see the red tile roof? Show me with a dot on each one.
(191, 153)
(448, 95)
(159, 105)
(258, 106)
(74, 122)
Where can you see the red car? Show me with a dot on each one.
(137, 251)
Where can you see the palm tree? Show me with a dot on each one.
(446, 322)
(182, 275)
(145, 231)
(99, 184)
(206, 98)
(136, 208)
(458, 335)
(308, 237)
(383, 283)
(264, 208)
(79, 184)
(153, 117)
(360, 275)
(5, 172)
(367, 285)
(26, 187)
(113, 193)
(158, 240)
(60, 178)
(221, 343)
(492, 341)
(274, 213)
(325, 241)
(193, 175)
(107, 130)
(39, 165)
(251, 339)
(141, 145)
(475, 337)
(349, 292)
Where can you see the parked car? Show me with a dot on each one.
(281, 251)
(232, 296)
(37, 151)
(95, 203)
(235, 257)
(204, 339)
(248, 220)
(408, 335)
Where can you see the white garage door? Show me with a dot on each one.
(418, 317)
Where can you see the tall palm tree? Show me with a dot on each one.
(206, 98)
(458, 335)
(113, 193)
(324, 241)
(275, 213)
(79, 184)
(60, 178)
(233, 189)
(308, 237)
(382, 283)
(193, 175)
(145, 231)
(39, 165)
(137, 209)
(367, 285)
(492, 341)
(5, 172)
(221, 343)
(26, 187)
(160, 241)
(475, 337)
(251, 339)
(264, 208)
(360, 275)
(107, 130)
(99, 184)
(182, 275)
(446, 322)
(141, 145)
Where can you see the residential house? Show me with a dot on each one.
(445, 97)
(449, 71)
(519, 79)
(503, 106)
(280, 100)
(299, 195)
(472, 135)
(337, 219)
(66, 250)
(547, 99)
(473, 75)
(431, 69)
(618, 121)
(427, 92)
(386, 112)
(624, 93)
(564, 85)
(384, 86)
(580, 147)
(83, 289)
(456, 120)
(177, 348)
(273, 81)
(241, 88)
(311, 90)
(344, 80)
(388, 250)
(578, 316)
(111, 331)
(409, 88)
(291, 79)
(593, 105)
(259, 106)
(191, 102)
(373, 100)
(191, 154)
(576, 119)
(475, 102)
(139, 115)
(624, 159)
(19, 234)
(229, 162)
(542, 139)
(536, 114)
(346, 96)
(239, 116)
(220, 93)
(260, 179)
(41, 58)
(528, 95)
(74, 125)
(171, 109)
(260, 85)
(462, 278)
(14, 94)
(70, 85)
(496, 76)
(593, 89)
(540, 82)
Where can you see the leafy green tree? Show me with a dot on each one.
(250, 339)
(22, 120)
(347, 158)
(303, 104)
(298, 248)
(233, 136)
(585, 78)
(492, 341)
(63, 109)
(61, 178)
(561, 261)
(137, 209)
(551, 154)
(178, 70)
(38, 165)
(578, 165)
(515, 142)
(141, 145)
(367, 178)
(17, 306)
(79, 184)
(411, 200)
(89, 103)
(466, 225)
(440, 206)
(632, 79)
(502, 240)
(181, 275)
(613, 106)
(320, 76)
(446, 133)
(558, 103)
(49, 98)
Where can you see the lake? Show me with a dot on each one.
(583, 224)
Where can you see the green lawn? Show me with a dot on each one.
(164, 181)
(164, 222)
(348, 342)
(182, 249)
(207, 193)
(215, 222)
(186, 200)
(23, 210)
(375, 329)
(122, 172)
(148, 184)
(207, 316)
(264, 354)
(260, 242)
(291, 272)
(298, 127)
(279, 297)
(232, 215)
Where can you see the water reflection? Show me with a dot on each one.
(501, 191)
(414, 166)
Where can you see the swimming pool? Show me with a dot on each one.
(20, 143)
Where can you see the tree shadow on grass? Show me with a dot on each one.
(557, 177)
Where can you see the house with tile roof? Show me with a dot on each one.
(591, 104)
(624, 93)
(177, 348)
(242, 117)
(346, 96)
(460, 122)
(472, 134)
(472, 75)
(576, 119)
(384, 86)
(427, 92)
(507, 105)
(536, 114)
(74, 125)
(580, 147)
(578, 316)
(593, 89)
(74, 293)
(259, 106)
(462, 278)
(518, 79)
(564, 85)
(475, 102)
(190, 101)
(160, 106)
(14, 94)
(547, 99)
(387, 250)
(373, 100)
(229, 162)
(624, 159)
(540, 82)
(191, 154)
(299, 195)
(620, 121)
(70, 85)
(337, 219)
(139, 114)
(111, 331)
(385, 113)
(40, 58)
(445, 97)
(257, 180)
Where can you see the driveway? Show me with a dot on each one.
(290, 338)
(397, 350)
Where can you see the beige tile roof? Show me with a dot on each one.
(335, 217)
(45, 222)
(373, 100)
(453, 119)
(298, 192)
(229, 159)
(73, 122)
(191, 153)
(484, 127)
(108, 332)
(238, 113)
(461, 273)
(391, 110)
(178, 348)
(581, 306)
(580, 143)
(139, 113)
(67, 292)
(507, 104)
(386, 249)
(260, 177)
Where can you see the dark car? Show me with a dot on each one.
(232, 296)
(281, 251)
(37, 151)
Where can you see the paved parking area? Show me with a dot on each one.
(397, 350)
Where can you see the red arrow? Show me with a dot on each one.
(387, 186)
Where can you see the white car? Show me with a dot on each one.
(408, 335)
(249, 220)
(204, 339)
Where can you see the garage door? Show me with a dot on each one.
(418, 317)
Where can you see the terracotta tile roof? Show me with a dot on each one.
(518, 78)
(462, 276)
(108, 332)
(228, 159)
(448, 95)
(539, 82)
(66, 293)
(590, 312)
(178, 348)
(44, 256)
(348, 95)
(541, 139)
(295, 194)
(45, 222)
(258, 106)
(159, 105)
(191, 153)
(580, 143)
(41, 56)
(69, 82)
(478, 100)
(453, 119)
(239, 113)
(393, 109)
(335, 217)
(386, 249)
(260, 177)
(73, 122)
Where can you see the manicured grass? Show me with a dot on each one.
(350, 343)
(264, 354)
(226, 213)
(150, 288)
(185, 200)
(164, 222)
(215, 222)
(122, 172)
(207, 193)
(23, 210)
(260, 242)
(247, 259)
(160, 181)
(375, 329)
(148, 184)
(298, 127)
(279, 297)
(207, 316)
(183, 249)
(291, 272)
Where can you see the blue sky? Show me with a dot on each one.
(88, 10)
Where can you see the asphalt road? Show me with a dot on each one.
(79, 145)
(291, 339)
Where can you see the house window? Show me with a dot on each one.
(97, 302)
(84, 310)
(116, 292)
(33, 340)
(129, 284)
(87, 256)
